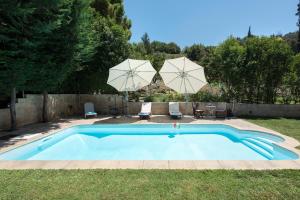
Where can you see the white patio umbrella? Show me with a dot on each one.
(183, 76)
(131, 75)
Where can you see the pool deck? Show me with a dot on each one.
(34, 132)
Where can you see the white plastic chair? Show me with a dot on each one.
(89, 110)
(174, 110)
(145, 110)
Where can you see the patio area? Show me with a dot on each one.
(29, 133)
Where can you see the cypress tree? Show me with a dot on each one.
(147, 44)
(249, 32)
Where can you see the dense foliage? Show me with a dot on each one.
(59, 45)
(155, 51)
(46, 45)
(251, 70)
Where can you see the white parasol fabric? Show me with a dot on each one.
(131, 75)
(183, 75)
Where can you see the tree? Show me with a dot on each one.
(227, 61)
(251, 70)
(173, 48)
(147, 44)
(291, 39)
(102, 7)
(16, 38)
(54, 54)
(196, 52)
(275, 65)
(162, 47)
(105, 44)
(290, 88)
(298, 24)
(249, 32)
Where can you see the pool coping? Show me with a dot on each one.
(153, 164)
(288, 143)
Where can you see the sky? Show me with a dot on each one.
(208, 22)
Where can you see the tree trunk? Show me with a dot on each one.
(12, 109)
(45, 102)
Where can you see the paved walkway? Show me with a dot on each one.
(36, 131)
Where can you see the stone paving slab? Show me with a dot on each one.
(152, 164)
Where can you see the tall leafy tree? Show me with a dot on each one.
(293, 78)
(16, 43)
(56, 38)
(228, 59)
(252, 70)
(106, 44)
(289, 90)
(277, 55)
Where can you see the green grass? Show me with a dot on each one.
(289, 127)
(149, 184)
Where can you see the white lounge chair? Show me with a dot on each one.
(145, 110)
(174, 110)
(89, 110)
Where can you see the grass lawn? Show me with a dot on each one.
(289, 127)
(149, 184)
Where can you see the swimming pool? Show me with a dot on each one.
(153, 142)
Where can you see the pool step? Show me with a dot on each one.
(262, 143)
(263, 140)
(260, 147)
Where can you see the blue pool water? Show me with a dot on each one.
(153, 142)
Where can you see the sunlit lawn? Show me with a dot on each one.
(149, 184)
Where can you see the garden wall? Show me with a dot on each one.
(162, 108)
(29, 109)
(266, 110)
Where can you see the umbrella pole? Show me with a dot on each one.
(186, 103)
(127, 108)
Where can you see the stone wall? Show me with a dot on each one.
(266, 110)
(103, 103)
(162, 108)
(29, 109)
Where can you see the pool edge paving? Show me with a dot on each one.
(152, 164)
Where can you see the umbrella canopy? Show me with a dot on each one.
(183, 75)
(131, 75)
